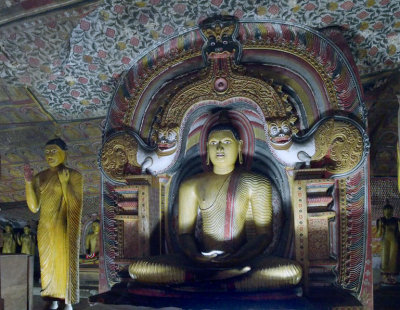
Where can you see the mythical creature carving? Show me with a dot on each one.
(336, 140)
(166, 140)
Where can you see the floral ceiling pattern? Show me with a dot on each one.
(72, 59)
(60, 62)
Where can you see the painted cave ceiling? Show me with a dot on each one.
(60, 62)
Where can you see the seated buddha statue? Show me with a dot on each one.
(92, 241)
(222, 255)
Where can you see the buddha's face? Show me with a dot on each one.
(8, 229)
(27, 230)
(223, 148)
(55, 156)
(95, 227)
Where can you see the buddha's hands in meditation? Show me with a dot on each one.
(226, 260)
(217, 258)
(28, 173)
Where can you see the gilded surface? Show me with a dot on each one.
(343, 273)
(260, 92)
(27, 241)
(219, 31)
(9, 241)
(221, 199)
(57, 193)
(323, 139)
(388, 230)
(342, 143)
(118, 156)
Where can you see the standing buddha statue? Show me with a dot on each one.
(57, 193)
(388, 228)
(9, 240)
(27, 241)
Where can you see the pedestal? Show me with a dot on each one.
(89, 276)
(16, 281)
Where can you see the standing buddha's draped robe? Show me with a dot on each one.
(59, 234)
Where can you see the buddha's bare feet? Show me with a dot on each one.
(54, 305)
(68, 307)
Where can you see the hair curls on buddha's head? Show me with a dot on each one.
(224, 123)
(59, 142)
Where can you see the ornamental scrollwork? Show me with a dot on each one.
(118, 157)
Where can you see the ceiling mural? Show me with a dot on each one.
(25, 127)
(61, 61)
(83, 140)
(74, 58)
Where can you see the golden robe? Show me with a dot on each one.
(59, 234)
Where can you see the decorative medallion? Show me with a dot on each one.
(118, 157)
(341, 143)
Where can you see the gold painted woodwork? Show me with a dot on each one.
(116, 154)
(239, 85)
(342, 142)
(218, 32)
(300, 216)
(343, 241)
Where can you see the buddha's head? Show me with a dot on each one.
(224, 147)
(387, 210)
(27, 230)
(8, 228)
(54, 152)
(96, 227)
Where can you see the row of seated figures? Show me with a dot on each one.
(225, 228)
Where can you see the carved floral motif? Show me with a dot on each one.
(118, 156)
(342, 143)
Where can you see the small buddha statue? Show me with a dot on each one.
(92, 241)
(222, 198)
(27, 241)
(9, 240)
(388, 228)
(57, 193)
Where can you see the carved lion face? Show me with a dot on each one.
(280, 134)
(167, 140)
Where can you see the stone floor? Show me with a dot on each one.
(40, 304)
(318, 302)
